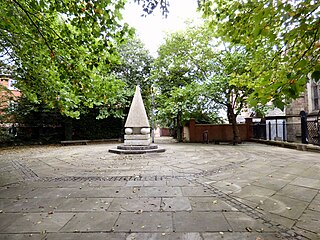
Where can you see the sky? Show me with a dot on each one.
(153, 28)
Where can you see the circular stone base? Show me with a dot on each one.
(131, 147)
(122, 149)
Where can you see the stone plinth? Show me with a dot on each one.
(137, 142)
(137, 136)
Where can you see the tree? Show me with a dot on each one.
(282, 38)
(134, 68)
(179, 74)
(227, 86)
(135, 63)
(61, 52)
(196, 74)
(184, 103)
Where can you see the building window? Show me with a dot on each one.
(315, 96)
(11, 84)
(12, 106)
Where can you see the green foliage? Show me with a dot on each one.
(135, 63)
(35, 122)
(226, 85)
(61, 52)
(282, 38)
(185, 103)
(180, 71)
(36, 115)
(196, 77)
(183, 59)
(134, 68)
(88, 127)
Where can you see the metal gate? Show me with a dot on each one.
(313, 129)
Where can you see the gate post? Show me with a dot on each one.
(284, 131)
(304, 128)
(318, 123)
(269, 124)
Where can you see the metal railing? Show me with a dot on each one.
(310, 128)
(271, 129)
(307, 130)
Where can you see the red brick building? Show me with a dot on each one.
(8, 98)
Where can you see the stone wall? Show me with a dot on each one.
(293, 117)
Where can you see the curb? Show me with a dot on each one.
(292, 145)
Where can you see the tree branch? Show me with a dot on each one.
(53, 30)
(310, 46)
(34, 24)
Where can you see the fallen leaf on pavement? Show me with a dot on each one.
(139, 211)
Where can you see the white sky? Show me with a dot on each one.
(153, 28)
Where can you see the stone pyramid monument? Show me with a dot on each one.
(137, 130)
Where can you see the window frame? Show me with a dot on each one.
(315, 95)
(11, 83)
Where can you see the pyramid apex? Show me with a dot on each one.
(137, 116)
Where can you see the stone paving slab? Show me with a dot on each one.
(271, 183)
(240, 222)
(310, 220)
(164, 236)
(192, 191)
(203, 204)
(315, 204)
(175, 204)
(195, 191)
(144, 222)
(200, 222)
(86, 236)
(284, 206)
(284, 221)
(298, 192)
(135, 204)
(15, 192)
(26, 205)
(22, 236)
(236, 236)
(91, 222)
(36, 222)
(84, 204)
(308, 182)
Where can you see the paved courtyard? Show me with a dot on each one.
(192, 191)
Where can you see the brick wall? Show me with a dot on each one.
(216, 132)
(8, 95)
(4, 81)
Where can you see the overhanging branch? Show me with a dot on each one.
(34, 24)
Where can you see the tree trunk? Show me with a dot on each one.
(233, 120)
(179, 128)
(68, 129)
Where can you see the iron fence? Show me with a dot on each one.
(305, 130)
(271, 129)
(310, 128)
